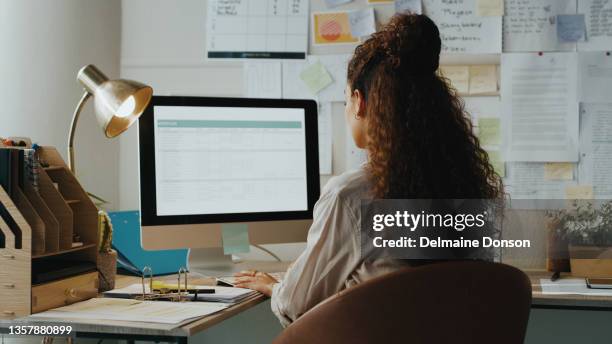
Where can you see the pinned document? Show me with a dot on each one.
(579, 192)
(362, 22)
(332, 28)
(235, 238)
(483, 80)
(489, 131)
(316, 77)
(571, 28)
(558, 171)
(410, 6)
(490, 8)
(459, 77)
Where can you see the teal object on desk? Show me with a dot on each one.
(126, 240)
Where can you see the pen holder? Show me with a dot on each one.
(107, 267)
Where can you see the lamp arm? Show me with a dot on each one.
(73, 125)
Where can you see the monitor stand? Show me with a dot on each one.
(210, 262)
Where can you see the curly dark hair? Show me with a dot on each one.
(419, 137)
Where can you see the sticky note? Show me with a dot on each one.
(362, 22)
(579, 192)
(558, 171)
(411, 6)
(571, 27)
(332, 28)
(334, 3)
(489, 131)
(498, 163)
(490, 8)
(483, 80)
(459, 77)
(235, 238)
(316, 77)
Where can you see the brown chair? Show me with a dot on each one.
(452, 302)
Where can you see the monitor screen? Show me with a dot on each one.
(214, 160)
(217, 160)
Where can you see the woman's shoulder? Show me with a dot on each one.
(352, 184)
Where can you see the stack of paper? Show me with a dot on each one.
(221, 294)
(162, 312)
(576, 286)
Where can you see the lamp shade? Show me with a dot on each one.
(117, 103)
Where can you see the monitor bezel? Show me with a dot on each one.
(148, 194)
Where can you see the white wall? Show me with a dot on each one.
(44, 43)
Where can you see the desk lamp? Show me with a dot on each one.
(117, 104)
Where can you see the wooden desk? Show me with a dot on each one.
(155, 332)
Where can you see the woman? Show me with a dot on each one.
(420, 145)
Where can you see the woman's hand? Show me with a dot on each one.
(260, 281)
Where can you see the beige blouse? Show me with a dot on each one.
(331, 261)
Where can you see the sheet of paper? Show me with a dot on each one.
(221, 294)
(595, 72)
(483, 80)
(532, 25)
(325, 138)
(478, 107)
(595, 166)
(575, 286)
(598, 15)
(571, 28)
(235, 237)
(239, 29)
(294, 87)
(334, 3)
(332, 28)
(579, 192)
(526, 181)
(464, 31)
(558, 171)
(489, 131)
(355, 156)
(496, 159)
(316, 77)
(412, 6)
(539, 106)
(487, 8)
(362, 22)
(163, 312)
(262, 79)
(459, 77)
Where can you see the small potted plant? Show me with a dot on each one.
(588, 231)
(107, 257)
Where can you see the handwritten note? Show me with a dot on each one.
(558, 171)
(362, 22)
(489, 131)
(571, 27)
(316, 77)
(459, 77)
(483, 80)
(411, 6)
(489, 8)
(598, 14)
(461, 30)
(532, 25)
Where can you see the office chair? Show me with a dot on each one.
(452, 302)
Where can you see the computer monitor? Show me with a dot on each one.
(206, 162)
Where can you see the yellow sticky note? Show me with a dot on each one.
(579, 192)
(316, 77)
(498, 163)
(332, 28)
(558, 171)
(489, 131)
(459, 77)
(490, 8)
(483, 80)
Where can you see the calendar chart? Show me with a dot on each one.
(257, 29)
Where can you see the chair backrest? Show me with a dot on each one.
(451, 302)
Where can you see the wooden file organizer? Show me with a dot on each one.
(47, 219)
